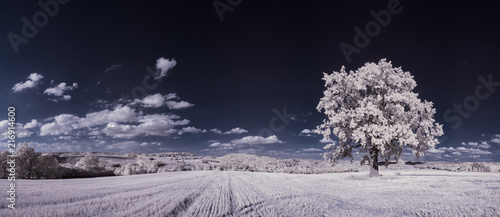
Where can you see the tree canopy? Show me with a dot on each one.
(375, 109)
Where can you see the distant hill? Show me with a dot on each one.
(137, 163)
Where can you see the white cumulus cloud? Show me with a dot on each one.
(463, 150)
(222, 145)
(326, 140)
(435, 151)
(119, 114)
(33, 80)
(178, 105)
(163, 66)
(470, 143)
(215, 130)
(257, 140)
(124, 131)
(121, 122)
(63, 124)
(236, 130)
(190, 130)
(59, 90)
(484, 145)
(307, 132)
(311, 149)
(32, 124)
(157, 100)
(496, 139)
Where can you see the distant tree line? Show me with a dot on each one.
(31, 165)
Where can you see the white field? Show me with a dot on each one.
(228, 193)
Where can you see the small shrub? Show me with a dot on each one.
(475, 167)
(480, 167)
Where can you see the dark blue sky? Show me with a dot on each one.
(238, 74)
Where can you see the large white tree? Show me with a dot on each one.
(3, 164)
(46, 167)
(375, 109)
(89, 163)
(25, 161)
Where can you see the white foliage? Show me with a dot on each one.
(375, 109)
(3, 164)
(144, 164)
(89, 163)
(46, 166)
(25, 161)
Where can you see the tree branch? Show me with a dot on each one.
(358, 145)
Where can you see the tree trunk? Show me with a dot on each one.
(374, 163)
